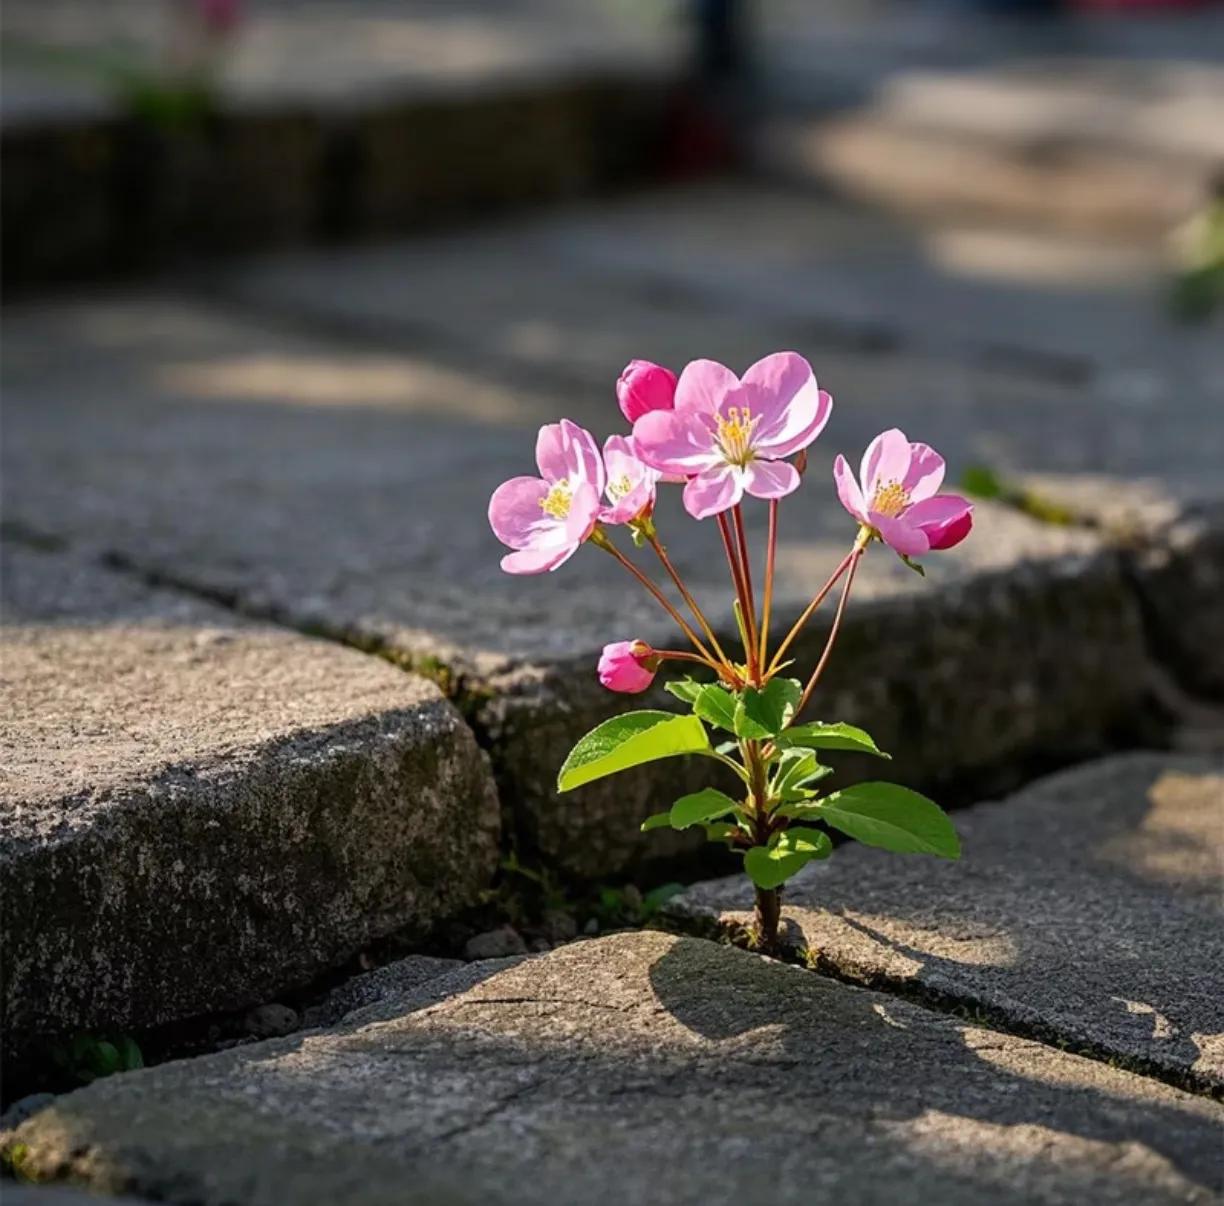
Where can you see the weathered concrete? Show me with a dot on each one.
(635, 1068)
(345, 490)
(331, 120)
(1086, 906)
(197, 811)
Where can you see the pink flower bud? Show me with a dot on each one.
(643, 387)
(628, 666)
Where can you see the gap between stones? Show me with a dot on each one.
(199, 1035)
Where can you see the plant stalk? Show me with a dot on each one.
(765, 924)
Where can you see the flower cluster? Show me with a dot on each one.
(724, 438)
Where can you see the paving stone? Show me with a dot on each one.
(344, 489)
(640, 1067)
(1087, 907)
(197, 811)
(370, 988)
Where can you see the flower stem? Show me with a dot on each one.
(604, 543)
(771, 553)
(747, 617)
(698, 614)
(808, 612)
(855, 556)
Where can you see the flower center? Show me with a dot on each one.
(735, 434)
(890, 499)
(620, 487)
(557, 501)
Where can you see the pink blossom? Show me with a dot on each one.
(899, 498)
(631, 482)
(544, 519)
(729, 436)
(220, 16)
(644, 386)
(628, 666)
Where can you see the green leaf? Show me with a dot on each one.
(656, 898)
(129, 1053)
(630, 740)
(706, 805)
(820, 736)
(769, 867)
(660, 820)
(716, 705)
(891, 817)
(815, 843)
(685, 690)
(766, 712)
(720, 831)
(799, 767)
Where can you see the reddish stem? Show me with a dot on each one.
(855, 556)
(660, 598)
(698, 614)
(741, 592)
(797, 627)
(771, 553)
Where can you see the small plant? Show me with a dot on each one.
(88, 1057)
(724, 438)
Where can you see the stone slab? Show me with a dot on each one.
(640, 1067)
(197, 811)
(1086, 907)
(342, 486)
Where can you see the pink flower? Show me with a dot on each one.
(631, 482)
(643, 387)
(729, 436)
(628, 666)
(544, 519)
(898, 496)
(220, 16)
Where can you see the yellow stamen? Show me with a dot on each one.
(620, 487)
(557, 501)
(891, 498)
(735, 434)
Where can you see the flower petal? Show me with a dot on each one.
(551, 452)
(514, 510)
(898, 534)
(703, 386)
(945, 519)
(848, 489)
(770, 479)
(791, 410)
(537, 561)
(713, 491)
(925, 474)
(676, 441)
(887, 459)
(583, 514)
(582, 456)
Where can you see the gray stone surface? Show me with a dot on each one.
(1087, 906)
(343, 486)
(196, 811)
(635, 1068)
(397, 979)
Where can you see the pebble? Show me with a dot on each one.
(559, 925)
(269, 1021)
(495, 944)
